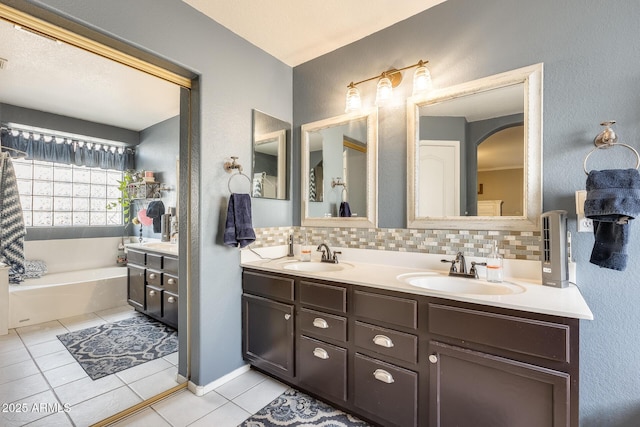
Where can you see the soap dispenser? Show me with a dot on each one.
(494, 265)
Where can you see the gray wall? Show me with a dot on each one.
(158, 151)
(591, 73)
(229, 89)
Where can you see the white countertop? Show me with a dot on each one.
(380, 269)
(166, 248)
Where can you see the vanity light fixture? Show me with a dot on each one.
(387, 80)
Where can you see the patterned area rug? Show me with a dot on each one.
(106, 349)
(293, 408)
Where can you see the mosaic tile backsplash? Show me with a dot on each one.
(523, 245)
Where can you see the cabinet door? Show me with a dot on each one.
(154, 302)
(135, 287)
(268, 334)
(170, 309)
(469, 388)
(323, 367)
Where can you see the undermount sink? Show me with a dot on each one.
(460, 285)
(313, 266)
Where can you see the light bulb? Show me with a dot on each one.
(385, 90)
(353, 103)
(421, 80)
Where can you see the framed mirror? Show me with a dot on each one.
(339, 171)
(474, 154)
(271, 138)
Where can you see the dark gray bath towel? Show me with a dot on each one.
(155, 210)
(345, 209)
(238, 230)
(613, 198)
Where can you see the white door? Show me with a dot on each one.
(439, 178)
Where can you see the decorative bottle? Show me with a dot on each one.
(494, 265)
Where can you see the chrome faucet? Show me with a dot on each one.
(327, 255)
(462, 270)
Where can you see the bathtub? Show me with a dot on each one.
(59, 295)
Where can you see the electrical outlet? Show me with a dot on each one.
(585, 225)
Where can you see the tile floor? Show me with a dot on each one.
(39, 379)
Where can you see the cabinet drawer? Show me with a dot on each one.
(386, 342)
(384, 308)
(323, 296)
(154, 301)
(170, 309)
(389, 392)
(267, 286)
(527, 336)
(170, 282)
(170, 265)
(323, 367)
(322, 324)
(154, 261)
(154, 278)
(135, 257)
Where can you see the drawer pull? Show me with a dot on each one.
(320, 353)
(171, 300)
(287, 316)
(384, 376)
(152, 276)
(171, 281)
(152, 293)
(320, 323)
(433, 358)
(383, 341)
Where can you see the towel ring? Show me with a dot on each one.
(239, 174)
(604, 146)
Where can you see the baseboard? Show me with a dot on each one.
(201, 390)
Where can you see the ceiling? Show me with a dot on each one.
(296, 31)
(46, 75)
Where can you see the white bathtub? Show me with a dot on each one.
(59, 295)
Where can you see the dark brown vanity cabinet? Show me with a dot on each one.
(268, 323)
(153, 285)
(399, 359)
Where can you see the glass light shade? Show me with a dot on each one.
(354, 103)
(421, 80)
(385, 90)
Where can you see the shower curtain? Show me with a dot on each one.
(12, 230)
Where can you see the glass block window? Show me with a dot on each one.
(59, 195)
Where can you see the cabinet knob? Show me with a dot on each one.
(320, 353)
(152, 293)
(383, 341)
(433, 358)
(287, 316)
(152, 276)
(320, 323)
(384, 376)
(171, 300)
(171, 281)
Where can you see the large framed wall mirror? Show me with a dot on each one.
(475, 154)
(339, 171)
(271, 138)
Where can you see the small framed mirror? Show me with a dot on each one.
(339, 171)
(271, 138)
(474, 154)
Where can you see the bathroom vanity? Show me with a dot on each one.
(399, 356)
(152, 284)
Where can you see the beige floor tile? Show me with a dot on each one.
(184, 407)
(10, 341)
(103, 406)
(146, 418)
(83, 321)
(228, 415)
(136, 373)
(47, 347)
(35, 407)
(259, 396)
(55, 360)
(157, 383)
(241, 384)
(172, 358)
(65, 374)
(14, 356)
(17, 371)
(117, 313)
(84, 389)
(16, 390)
(59, 419)
(41, 332)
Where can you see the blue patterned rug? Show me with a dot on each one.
(106, 349)
(293, 408)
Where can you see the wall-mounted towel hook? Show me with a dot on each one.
(229, 166)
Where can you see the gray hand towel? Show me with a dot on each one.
(155, 210)
(613, 198)
(238, 229)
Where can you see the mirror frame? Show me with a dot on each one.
(371, 218)
(531, 77)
